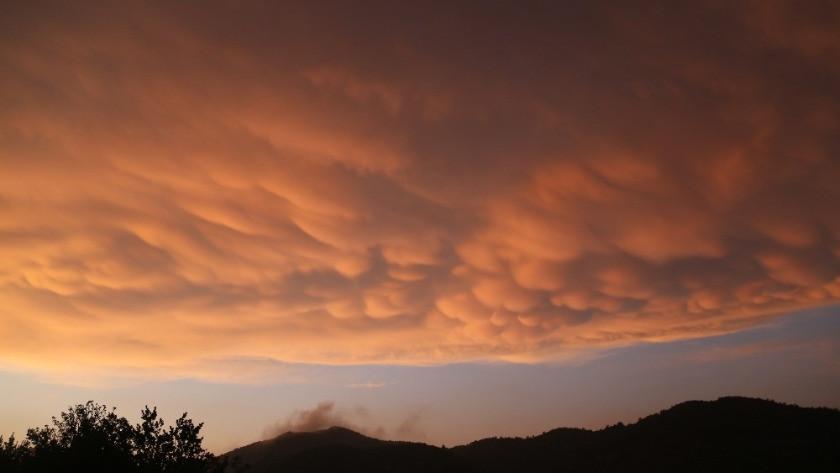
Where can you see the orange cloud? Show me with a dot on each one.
(180, 187)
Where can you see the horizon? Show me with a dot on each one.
(777, 362)
(432, 222)
(323, 430)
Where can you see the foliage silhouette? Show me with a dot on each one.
(91, 438)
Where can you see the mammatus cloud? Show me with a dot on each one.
(183, 183)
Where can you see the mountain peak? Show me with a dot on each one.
(333, 430)
(728, 434)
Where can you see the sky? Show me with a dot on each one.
(432, 221)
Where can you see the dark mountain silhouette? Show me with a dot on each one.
(732, 434)
(288, 445)
(341, 450)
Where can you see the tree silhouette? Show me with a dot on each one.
(11, 454)
(90, 437)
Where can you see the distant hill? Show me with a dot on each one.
(341, 450)
(732, 434)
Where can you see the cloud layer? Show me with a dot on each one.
(416, 184)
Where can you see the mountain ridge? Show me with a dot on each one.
(728, 434)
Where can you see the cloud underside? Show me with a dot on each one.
(381, 186)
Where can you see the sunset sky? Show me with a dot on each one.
(432, 221)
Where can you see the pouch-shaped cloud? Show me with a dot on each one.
(184, 182)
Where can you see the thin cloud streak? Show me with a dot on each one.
(184, 184)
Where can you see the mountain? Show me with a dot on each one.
(341, 450)
(731, 434)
